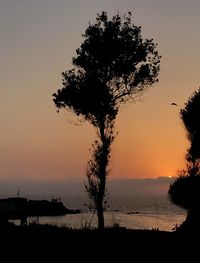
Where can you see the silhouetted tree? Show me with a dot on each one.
(113, 65)
(190, 116)
(185, 190)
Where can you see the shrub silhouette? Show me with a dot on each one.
(190, 116)
(185, 190)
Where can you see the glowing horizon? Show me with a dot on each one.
(39, 40)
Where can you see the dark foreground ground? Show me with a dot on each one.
(44, 243)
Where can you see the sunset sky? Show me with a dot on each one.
(38, 41)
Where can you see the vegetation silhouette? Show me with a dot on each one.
(47, 242)
(21, 208)
(190, 117)
(113, 65)
(185, 190)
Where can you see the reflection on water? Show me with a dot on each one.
(141, 212)
(134, 221)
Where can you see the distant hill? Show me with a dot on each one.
(116, 187)
(140, 186)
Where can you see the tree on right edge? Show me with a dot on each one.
(185, 190)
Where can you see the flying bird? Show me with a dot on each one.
(174, 104)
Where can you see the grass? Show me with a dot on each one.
(48, 242)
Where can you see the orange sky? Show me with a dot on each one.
(38, 40)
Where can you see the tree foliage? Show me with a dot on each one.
(185, 190)
(190, 116)
(113, 65)
(94, 172)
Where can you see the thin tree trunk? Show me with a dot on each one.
(100, 215)
(102, 178)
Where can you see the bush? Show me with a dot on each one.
(185, 190)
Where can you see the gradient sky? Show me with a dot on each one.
(38, 40)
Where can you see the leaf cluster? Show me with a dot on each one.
(190, 117)
(184, 191)
(113, 65)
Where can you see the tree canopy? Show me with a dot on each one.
(190, 116)
(113, 65)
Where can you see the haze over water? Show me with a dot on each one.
(140, 204)
(141, 212)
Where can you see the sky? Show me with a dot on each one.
(38, 41)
